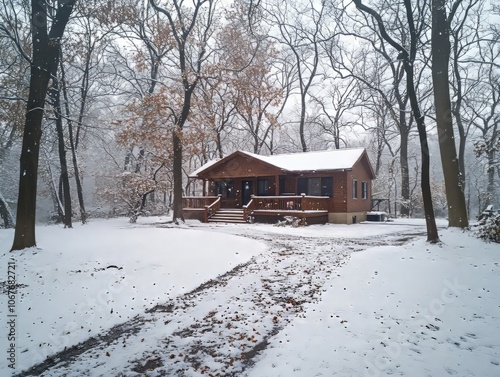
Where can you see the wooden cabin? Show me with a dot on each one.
(316, 187)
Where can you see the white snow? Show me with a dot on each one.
(71, 294)
(387, 302)
(337, 159)
(356, 231)
(415, 310)
(203, 167)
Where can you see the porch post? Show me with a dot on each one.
(276, 185)
(302, 200)
(204, 187)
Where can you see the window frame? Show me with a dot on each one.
(264, 183)
(225, 189)
(364, 190)
(354, 188)
(314, 186)
(325, 187)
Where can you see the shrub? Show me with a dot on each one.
(489, 228)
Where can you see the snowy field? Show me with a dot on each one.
(83, 280)
(412, 310)
(369, 299)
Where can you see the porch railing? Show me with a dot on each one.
(212, 209)
(248, 208)
(290, 203)
(315, 203)
(211, 204)
(198, 201)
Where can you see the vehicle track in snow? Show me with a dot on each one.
(218, 328)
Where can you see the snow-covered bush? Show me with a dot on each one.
(489, 228)
(290, 220)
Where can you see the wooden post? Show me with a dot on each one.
(277, 185)
(204, 187)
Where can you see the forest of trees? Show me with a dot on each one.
(109, 105)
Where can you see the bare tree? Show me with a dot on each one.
(484, 104)
(81, 64)
(45, 56)
(464, 32)
(381, 76)
(335, 111)
(407, 56)
(191, 29)
(300, 27)
(55, 98)
(441, 25)
(217, 112)
(13, 97)
(246, 64)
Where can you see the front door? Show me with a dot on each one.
(246, 191)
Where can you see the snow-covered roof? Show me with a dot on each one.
(203, 167)
(338, 159)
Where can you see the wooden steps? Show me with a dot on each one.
(228, 215)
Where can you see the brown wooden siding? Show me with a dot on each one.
(241, 166)
(361, 174)
(339, 200)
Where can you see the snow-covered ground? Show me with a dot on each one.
(371, 299)
(412, 310)
(84, 280)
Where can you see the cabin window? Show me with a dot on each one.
(327, 186)
(354, 188)
(225, 189)
(315, 186)
(282, 185)
(364, 190)
(264, 187)
(302, 186)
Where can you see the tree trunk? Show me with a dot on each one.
(66, 197)
(26, 204)
(74, 160)
(378, 161)
(45, 54)
(458, 116)
(461, 150)
(302, 123)
(177, 173)
(457, 208)
(490, 194)
(55, 195)
(140, 207)
(405, 175)
(219, 145)
(430, 220)
(6, 213)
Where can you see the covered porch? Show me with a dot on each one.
(309, 209)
